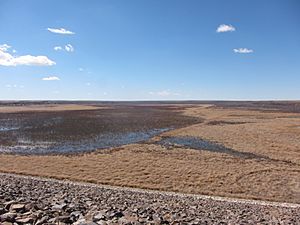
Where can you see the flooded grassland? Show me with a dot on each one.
(200, 148)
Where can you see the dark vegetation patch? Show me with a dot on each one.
(205, 145)
(222, 122)
(281, 106)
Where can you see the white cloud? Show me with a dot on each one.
(242, 50)
(60, 31)
(4, 47)
(80, 69)
(7, 59)
(164, 93)
(50, 78)
(225, 28)
(58, 48)
(69, 48)
(29, 60)
(88, 84)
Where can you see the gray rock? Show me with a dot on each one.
(17, 207)
(2, 210)
(42, 220)
(64, 219)
(102, 222)
(59, 207)
(118, 214)
(24, 220)
(8, 204)
(7, 223)
(49, 202)
(100, 215)
(88, 223)
(80, 221)
(8, 217)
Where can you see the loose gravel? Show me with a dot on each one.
(31, 200)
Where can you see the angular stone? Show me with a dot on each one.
(8, 204)
(6, 223)
(42, 220)
(99, 216)
(3, 210)
(59, 206)
(8, 217)
(64, 219)
(29, 206)
(88, 223)
(24, 220)
(102, 222)
(84, 222)
(17, 207)
(118, 214)
(80, 221)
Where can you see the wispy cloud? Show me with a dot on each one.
(7, 59)
(58, 48)
(60, 31)
(225, 28)
(164, 93)
(4, 47)
(243, 50)
(69, 48)
(51, 78)
(14, 86)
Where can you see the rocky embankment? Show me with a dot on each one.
(28, 200)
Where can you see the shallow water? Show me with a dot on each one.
(82, 131)
(8, 128)
(205, 145)
(27, 147)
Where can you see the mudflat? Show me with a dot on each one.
(247, 151)
(85, 128)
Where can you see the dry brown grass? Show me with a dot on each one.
(275, 135)
(46, 108)
(182, 170)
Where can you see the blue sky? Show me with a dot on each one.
(148, 50)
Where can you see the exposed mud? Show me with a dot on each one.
(86, 130)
